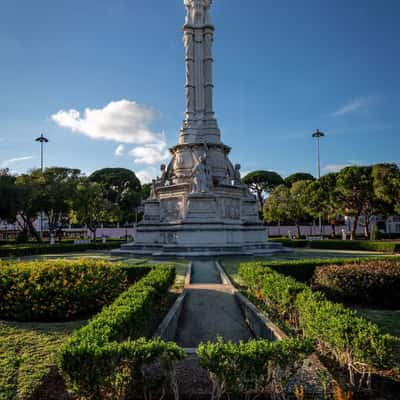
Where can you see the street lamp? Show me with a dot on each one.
(318, 135)
(42, 140)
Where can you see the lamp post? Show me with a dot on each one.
(318, 135)
(41, 139)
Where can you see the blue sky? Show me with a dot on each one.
(282, 69)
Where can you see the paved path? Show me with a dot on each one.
(210, 310)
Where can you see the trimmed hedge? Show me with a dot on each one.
(34, 249)
(375, 283)
(303, 270)
(366, 245)
(353, 341)
(252, 368)
(103, 358)
(61, 289)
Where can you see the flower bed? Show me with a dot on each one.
(105, 357)
(374, 283)
(61, 289)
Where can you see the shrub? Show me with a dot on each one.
(33, 249)
(108, 354)
(352, 340)
(367, 245)
(60, 289)
(303, 270)
(252, 368)
(375, 283)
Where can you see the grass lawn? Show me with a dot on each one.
(27, 353)
(387, 320)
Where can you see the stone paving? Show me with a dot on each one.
(210, 310)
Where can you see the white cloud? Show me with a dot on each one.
(337, 167)
(11, 161)
(119, 151)
(358, 104)
(146, 175)
(122, 121)
(151, 153)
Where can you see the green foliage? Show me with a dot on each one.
(262, 182)
(108, 354)
(374, 283)
(122, 189)
(362, 245)
(59, 248)
(59, 289)
(340, 332)
(298, 176)
(255, 367)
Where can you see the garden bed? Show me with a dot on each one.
(340, 333)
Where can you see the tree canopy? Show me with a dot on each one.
(298, 176)
(262, 182)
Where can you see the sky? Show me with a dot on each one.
(104, 81)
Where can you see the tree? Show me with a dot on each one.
(386, 182)
(10, 196)
(298, 203)
(29, 207)
(262, 182)
(323, 199)
(288, 204)
(298, 176)
(122, 189)
(356, 194)
(276, 205)
(58, 189)
(90, 205)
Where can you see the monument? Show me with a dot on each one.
(199, 206)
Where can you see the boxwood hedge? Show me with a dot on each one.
(21, 250)
(338, 331)
(330, 244)
(110, 353)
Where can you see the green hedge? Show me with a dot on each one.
(303, 270)
(254, 367)
(34, 249)
(61, 289)
(373, 283)
(366, 245)
(353, 341)
(107, 355)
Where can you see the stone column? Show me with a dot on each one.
(208, 78)
(190, 72)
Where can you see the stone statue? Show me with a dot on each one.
(237, 176)
(199, 176)
(198, 12)
(163, 179)
(153, 190)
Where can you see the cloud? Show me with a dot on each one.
(11, 161)
(122, 121)
(119, 151)
(358, 104)
(146, 175)
(338, 167)
(151, 153)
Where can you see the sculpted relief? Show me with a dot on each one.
(198, 12)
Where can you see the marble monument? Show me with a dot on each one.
(198, 205)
